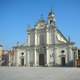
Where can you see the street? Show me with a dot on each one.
(39, 73)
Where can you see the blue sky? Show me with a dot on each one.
(16, 15)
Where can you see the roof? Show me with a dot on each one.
(64, 37)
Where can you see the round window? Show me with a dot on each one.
(22, 53)
(62, 51)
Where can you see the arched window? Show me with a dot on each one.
(51, 21)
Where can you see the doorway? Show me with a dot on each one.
(41, 60)
(63, 61)
(22, 62)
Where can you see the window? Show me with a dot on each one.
(79, 54)
(22, 53)
(51, 21)
(62, 51)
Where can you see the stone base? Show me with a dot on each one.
(28, 65)
(35, 65)
(47, 65)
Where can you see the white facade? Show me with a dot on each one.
(46, 46)
(1, 53)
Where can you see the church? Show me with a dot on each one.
(46, 46)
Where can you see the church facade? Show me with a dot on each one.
(46, 46)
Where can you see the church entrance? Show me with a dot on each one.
(22, 62)
(41, 60)
(63, 61)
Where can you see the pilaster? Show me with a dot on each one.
(47, 57)
(29, 39)
(36, 37)
(35, 58)
(28, 58)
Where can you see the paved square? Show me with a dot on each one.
(39, 73)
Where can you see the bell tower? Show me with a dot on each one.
(51, 18)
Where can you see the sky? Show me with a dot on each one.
(17, 15)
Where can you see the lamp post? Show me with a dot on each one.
(74, 54)
(52, 57)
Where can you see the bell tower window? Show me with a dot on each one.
(51, 21)
(51, 18)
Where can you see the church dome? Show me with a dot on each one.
(41, 21)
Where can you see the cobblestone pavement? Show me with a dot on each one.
(39, 73)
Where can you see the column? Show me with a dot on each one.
(35, 58)
(28, 58)
(36, 39)
(18, 58)
(14, 57)
(48, 37)
(47, 56)
(25, 56)
(28, 39)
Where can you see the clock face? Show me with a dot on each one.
(40, 26)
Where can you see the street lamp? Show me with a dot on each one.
(52, 57)
(74, 53)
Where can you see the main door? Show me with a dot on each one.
(63, 61)
(22, 62)
(41, 60)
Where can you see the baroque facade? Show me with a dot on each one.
(1, 53)
(46, 46)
